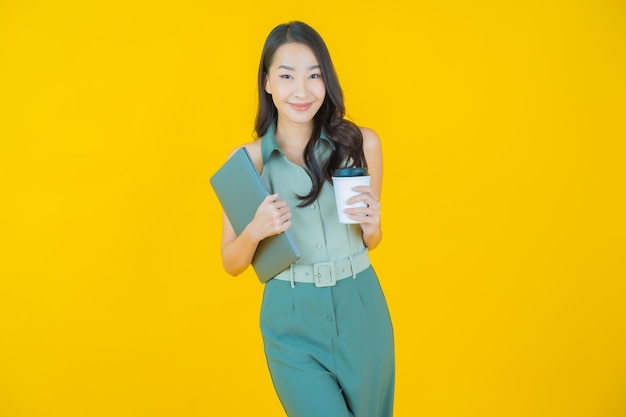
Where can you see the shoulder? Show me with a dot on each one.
(254, 149)
(371, 140)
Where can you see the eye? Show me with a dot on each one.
(285, 76)
(314, 76)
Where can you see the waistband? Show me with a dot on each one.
(326, 274)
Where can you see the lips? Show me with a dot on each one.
(300, 106)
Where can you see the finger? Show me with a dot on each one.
(363, 212)
(361, 218)
(270, 198)
(281, 225)
(368, 199)
(356, 198)
(279, 204)
(359, 211)
(365, 219)
(284, 216)
(373, 204)
(364, 189)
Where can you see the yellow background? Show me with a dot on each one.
(505, 240)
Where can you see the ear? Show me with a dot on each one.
(268, 90)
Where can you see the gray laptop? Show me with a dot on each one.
(240, 190)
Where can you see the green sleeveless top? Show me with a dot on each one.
(315, 229)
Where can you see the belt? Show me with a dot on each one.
(326, 274)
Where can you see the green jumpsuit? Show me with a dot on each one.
(329, 349)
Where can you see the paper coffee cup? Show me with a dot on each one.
(344, 182)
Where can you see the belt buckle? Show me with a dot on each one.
(324, 274)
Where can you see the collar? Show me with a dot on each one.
(271, 144)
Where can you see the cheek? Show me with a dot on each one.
(279, 90)
(320, 90)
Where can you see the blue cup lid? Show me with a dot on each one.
(350, 172)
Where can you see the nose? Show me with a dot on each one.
(300, 90)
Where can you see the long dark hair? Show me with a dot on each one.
(345, 134)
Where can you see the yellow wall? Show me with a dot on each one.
(504, 256)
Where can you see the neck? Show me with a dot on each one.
(293, 134)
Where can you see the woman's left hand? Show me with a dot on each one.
(368, 216)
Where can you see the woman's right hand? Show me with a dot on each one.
(271, 218)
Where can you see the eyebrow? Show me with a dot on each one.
(288, 68)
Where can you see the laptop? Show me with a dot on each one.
(240, 190)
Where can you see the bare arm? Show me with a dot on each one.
(371, 225)
(272, 217)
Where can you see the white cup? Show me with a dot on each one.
(344, 191)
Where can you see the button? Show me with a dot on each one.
(329, 318)
(319, 246)
(312, 206)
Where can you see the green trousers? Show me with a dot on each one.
(330, 350)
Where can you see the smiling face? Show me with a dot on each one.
(294, 80)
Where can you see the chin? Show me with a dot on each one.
(302, 119)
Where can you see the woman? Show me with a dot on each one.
(329, 346)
